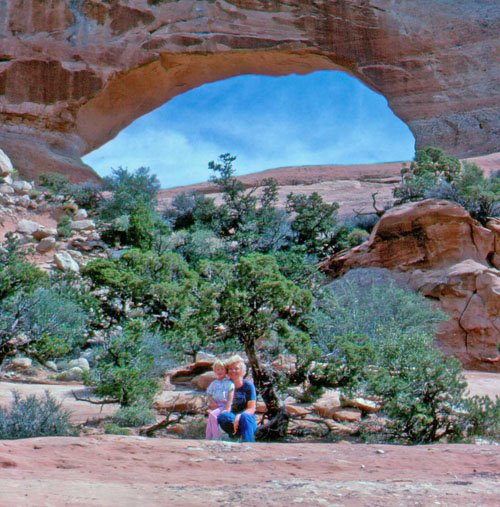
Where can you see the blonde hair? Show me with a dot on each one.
(218, 362)
(236, 359)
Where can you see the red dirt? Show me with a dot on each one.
(110, 470)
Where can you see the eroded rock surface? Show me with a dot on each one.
(446, 255)
(74, 73)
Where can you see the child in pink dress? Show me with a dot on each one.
(220, 396)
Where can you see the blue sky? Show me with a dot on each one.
(323, 118)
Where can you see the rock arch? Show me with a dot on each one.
(73, 73)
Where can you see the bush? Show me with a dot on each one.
(30, 320)
(87, 195)
(133, 416)
(15, 273)
(126, 369)
(115, 429)
(34, 417)
(422, 389)
(129, 189)
(370, 302)
(481, 417)
(55, 182)
(64, 226)
(377, 338)
(433, 174)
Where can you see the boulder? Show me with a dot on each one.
(65, 262)
(185, 403)
(44, 232)
(5, 164)
(73, 374)
(81, 214)
(298, 410)
(346, 415)
(327, 404)
(22, 363)
(24, 201)
(82, 225)
(202, 381)
(51, 365)
(81, 363)
(186, 374)
(366, 406)
(6, 189)
(22, 187)
(46, 245)
(28, 227)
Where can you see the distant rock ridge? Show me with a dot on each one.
(74, 73)
(443, 253)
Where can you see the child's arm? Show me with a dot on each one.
(210, 398)
(229, 400)
(211, 402)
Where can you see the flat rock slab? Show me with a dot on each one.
(130, 471)
(80, 411)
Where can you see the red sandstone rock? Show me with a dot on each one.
(73, 74)
(443, 253)
(202, 381)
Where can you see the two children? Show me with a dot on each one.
(220, 397)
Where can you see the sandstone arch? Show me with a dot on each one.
(73, 73)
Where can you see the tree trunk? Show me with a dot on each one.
(263, 380)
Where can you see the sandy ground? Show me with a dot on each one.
(136, 471)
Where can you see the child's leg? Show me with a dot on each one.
(213, 431)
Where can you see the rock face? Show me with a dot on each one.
(446, 255)
(74, 73)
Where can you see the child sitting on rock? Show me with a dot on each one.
(220, 396)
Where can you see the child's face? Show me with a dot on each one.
(220, 372)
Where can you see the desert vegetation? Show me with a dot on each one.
(241, 276)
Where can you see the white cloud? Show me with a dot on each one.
(323, 118)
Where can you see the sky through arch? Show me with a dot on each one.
(326, 117)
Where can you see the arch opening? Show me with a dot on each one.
(323, 117)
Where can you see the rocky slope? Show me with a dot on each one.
(33, 216)
(74, 73)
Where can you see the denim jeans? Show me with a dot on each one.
(246, 428)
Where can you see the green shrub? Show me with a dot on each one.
(115, 429)
(39, 317)
(55, 182)
(370, 302)
(64, 226)
(140, 232)
(433, 174)
(126, 368)
(378, 339)
(15, 273)
(481, 417)
(34, 416)
(87, 195)
(313, 222)
(422, 390)
(129, 189)
(133, 416)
